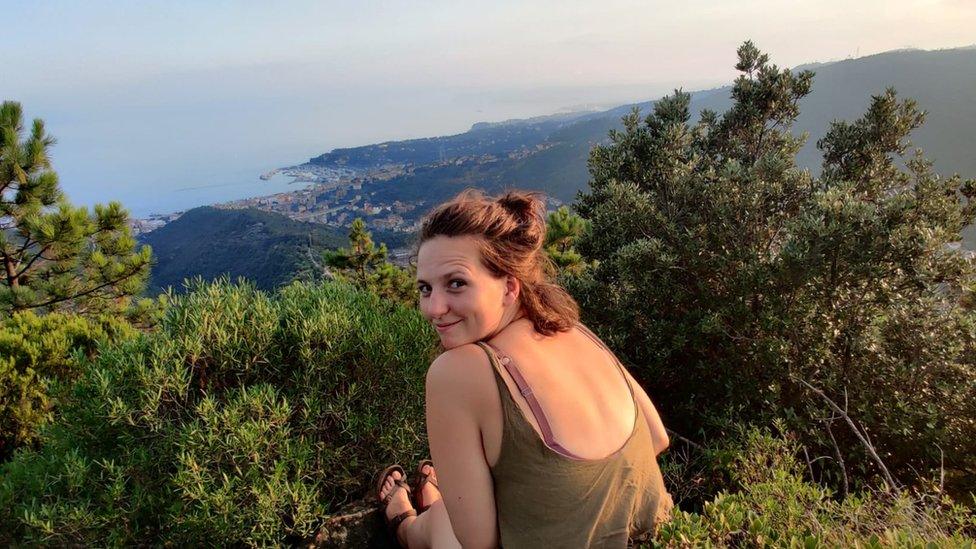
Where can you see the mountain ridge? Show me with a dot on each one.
(551, 124)
(550, 153)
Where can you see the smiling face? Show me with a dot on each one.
(459, 295)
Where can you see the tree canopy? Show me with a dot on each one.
(365, 265)
(563, 231)
(743, 288)
(56, 256)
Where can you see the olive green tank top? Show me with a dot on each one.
(547, 497)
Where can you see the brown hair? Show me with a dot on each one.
(511, 230)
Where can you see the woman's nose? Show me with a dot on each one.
(436, 304)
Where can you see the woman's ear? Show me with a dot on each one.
(513, 288)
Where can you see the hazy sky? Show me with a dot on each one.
(149, 98)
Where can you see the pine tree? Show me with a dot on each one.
(365, 265)
(55, 256)
(357, 262)
(563, 230)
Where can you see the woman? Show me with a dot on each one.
(540, 437)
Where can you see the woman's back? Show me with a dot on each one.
(597, 481)
(585, 398)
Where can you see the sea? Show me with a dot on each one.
(170, 145)
(147, 191)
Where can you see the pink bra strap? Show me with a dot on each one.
(526, 391)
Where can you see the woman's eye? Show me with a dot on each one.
(454, 284)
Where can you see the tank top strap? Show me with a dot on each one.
(526, 391)
(510, 410)
(620, 367)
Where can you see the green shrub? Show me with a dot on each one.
(770, 504)
(738, 285)
(36, 353)
(244, 419)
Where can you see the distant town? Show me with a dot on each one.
(335, 196)
(335, 200)
(332, 197)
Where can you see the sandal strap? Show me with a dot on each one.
(399, 484)
(420, 492)
(421, 480)
(394, 523)
(425, 479)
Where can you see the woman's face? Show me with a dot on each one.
(458, 295)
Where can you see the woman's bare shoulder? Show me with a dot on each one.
(462, 372)
(459, 358)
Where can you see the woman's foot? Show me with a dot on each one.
(394, 495)
(426, 492)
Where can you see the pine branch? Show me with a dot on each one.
(83, 294)
(40, 255)
(23, 248)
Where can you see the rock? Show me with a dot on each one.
(359, 525)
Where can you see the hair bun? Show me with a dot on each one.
(525, 206)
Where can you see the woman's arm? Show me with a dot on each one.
(659, 435)
(455, 394)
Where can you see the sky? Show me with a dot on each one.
(170, 105)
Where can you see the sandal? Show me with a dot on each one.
(418, 485)
(392, 523)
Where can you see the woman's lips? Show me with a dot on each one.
(445, 327)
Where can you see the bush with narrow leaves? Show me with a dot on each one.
(770, 503)
(245, 418)
(37, 354)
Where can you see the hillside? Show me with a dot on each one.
(943, 82)
(267, 248)
(482, 138)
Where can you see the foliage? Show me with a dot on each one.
(55, 256)
(563, 230)
(365, 265)
(729, 277)
(771, 504)
(37, 353)
(146, 312)
(244, 418)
